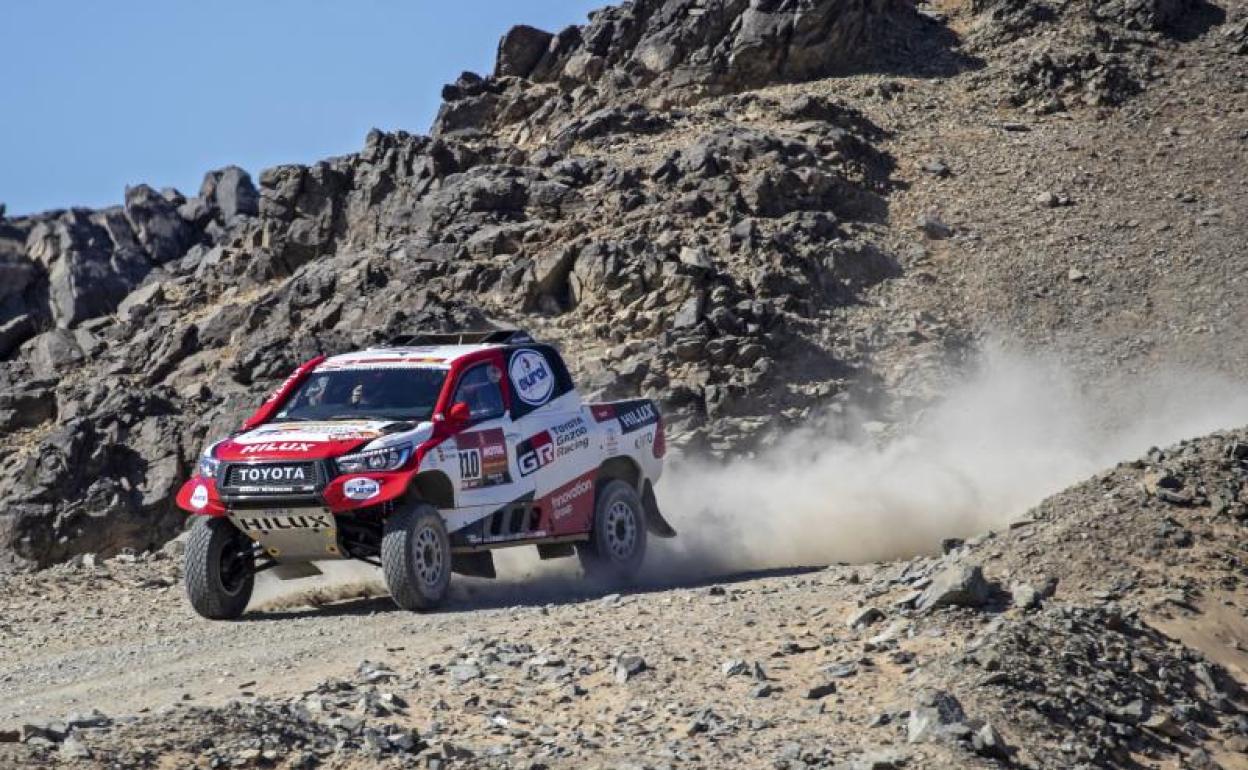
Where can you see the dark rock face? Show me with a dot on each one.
(729, 43)
(675, 51)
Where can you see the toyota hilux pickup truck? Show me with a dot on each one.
(421, 457)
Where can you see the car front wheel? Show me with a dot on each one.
(220, 569)
(416, 557)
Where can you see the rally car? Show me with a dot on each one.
(421, 457)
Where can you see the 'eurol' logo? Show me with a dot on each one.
(532, 377)
(361, 489)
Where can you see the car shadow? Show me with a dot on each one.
(473, 594)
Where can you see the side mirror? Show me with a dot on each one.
(459, 414)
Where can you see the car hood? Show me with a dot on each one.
(315, 440)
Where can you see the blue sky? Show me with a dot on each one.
(98, 95)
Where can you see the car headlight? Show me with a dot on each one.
(208, 464)
(385, 459)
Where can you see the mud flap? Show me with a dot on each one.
(555, 550)
(655, 523)
(474, 564)
(296, 570)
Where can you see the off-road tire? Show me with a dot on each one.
(219, 569)
(416, 557)
(617, 544)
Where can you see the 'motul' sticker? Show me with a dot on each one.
(532, 377)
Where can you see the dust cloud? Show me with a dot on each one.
(338, 581)
(1012, 431)
(1009, 434)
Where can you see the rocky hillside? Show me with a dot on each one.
(1105, 629)
(752, 211)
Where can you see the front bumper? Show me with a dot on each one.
(224, 494)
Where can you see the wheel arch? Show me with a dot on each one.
(627, 469)
(623, 469)
(433, 487)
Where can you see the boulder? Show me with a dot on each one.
(163, 233)
(27, 405)
(141, 301)
(14, 332)
(230, 191)
(520, 50)
(936, 716)
(52, 352)
(961, 585)
(92, 262)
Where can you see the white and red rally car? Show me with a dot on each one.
(421, 458)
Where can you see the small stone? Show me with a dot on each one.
(841, 670)
(1076, 275)
(865, 617)
(1155, 481)
(820, 691)
(935, 715)
(877, 760)
(696, 257)
(72, 748)
(1132, 713)
(893, 631)
(988, 742)
(1165, 725)
(464, 673)
(734, 668)
(933, 227)
(628, 666)
(1024, 596)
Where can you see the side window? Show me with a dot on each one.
(479, 388)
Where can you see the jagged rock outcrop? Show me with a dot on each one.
(674, 51)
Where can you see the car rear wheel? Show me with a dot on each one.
(617, 544)
(416, 557)
(220, 569)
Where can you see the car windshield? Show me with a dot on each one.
(407, 393)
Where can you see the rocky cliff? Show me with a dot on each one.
(752, 211)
